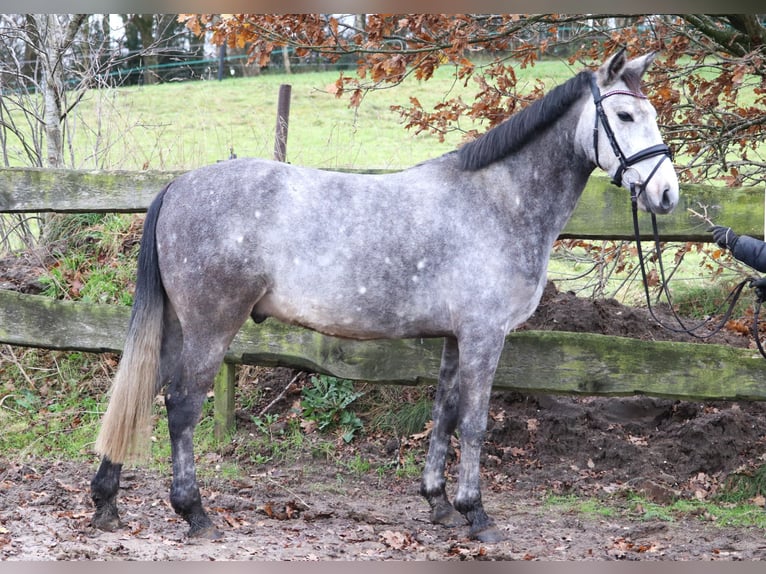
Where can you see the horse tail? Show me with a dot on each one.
(126, 425)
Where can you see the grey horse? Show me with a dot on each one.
(455, 247)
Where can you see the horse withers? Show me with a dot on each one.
(455, 247)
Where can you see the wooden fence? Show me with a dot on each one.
(533, 361)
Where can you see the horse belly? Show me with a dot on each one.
(353, 318)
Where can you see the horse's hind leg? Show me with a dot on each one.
(103, 488)
(445, 416)
(205, 340)
(183, 401)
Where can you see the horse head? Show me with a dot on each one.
(620, 134)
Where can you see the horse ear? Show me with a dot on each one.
(642, 63)
(612, 68)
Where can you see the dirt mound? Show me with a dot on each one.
(565, 311)
(22, 272)
(587, 445)
(664, 447)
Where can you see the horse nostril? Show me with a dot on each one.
(667, 199)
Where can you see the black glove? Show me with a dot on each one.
(760, 288)
(724, 237)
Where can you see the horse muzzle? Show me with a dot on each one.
(658, 193)
(658, 199)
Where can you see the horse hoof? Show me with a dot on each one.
(107, 521)
(487, 535)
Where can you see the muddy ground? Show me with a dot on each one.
(317, 509)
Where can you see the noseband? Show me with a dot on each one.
(625, 162)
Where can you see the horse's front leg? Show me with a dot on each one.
(184, 406)
(478, 362)
(103, 492)
(444, 415)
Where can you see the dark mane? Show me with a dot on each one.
(513, 133)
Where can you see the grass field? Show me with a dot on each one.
(186, 125)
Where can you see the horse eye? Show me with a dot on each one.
(625, 116)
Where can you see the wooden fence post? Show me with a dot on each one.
(221, 60)
(223, 402)
(283, 120)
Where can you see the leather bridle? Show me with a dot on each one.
(625, 162)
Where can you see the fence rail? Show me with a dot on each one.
(533, 361)
(602, 213)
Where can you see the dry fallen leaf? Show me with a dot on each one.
(397, 540)
(308, 426)
(291, 509)
(497, 416)
(425, 433)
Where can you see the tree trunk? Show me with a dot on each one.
(360, 21)
(46, 36)
(52, 36)
(52, 39)
(145, 25)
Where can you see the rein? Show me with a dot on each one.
(731, 298)
(636, 189)
(755, 327)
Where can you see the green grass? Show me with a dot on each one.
(157, 133)
(98, 262)
(579, 505)
(189, 124)
(182, 125)
(723, 514)
(48, 403)
(744, 485)
(404, 418)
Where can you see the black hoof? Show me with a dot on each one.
(201, 527)
(107, 519)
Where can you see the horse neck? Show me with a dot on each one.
(551, 173)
